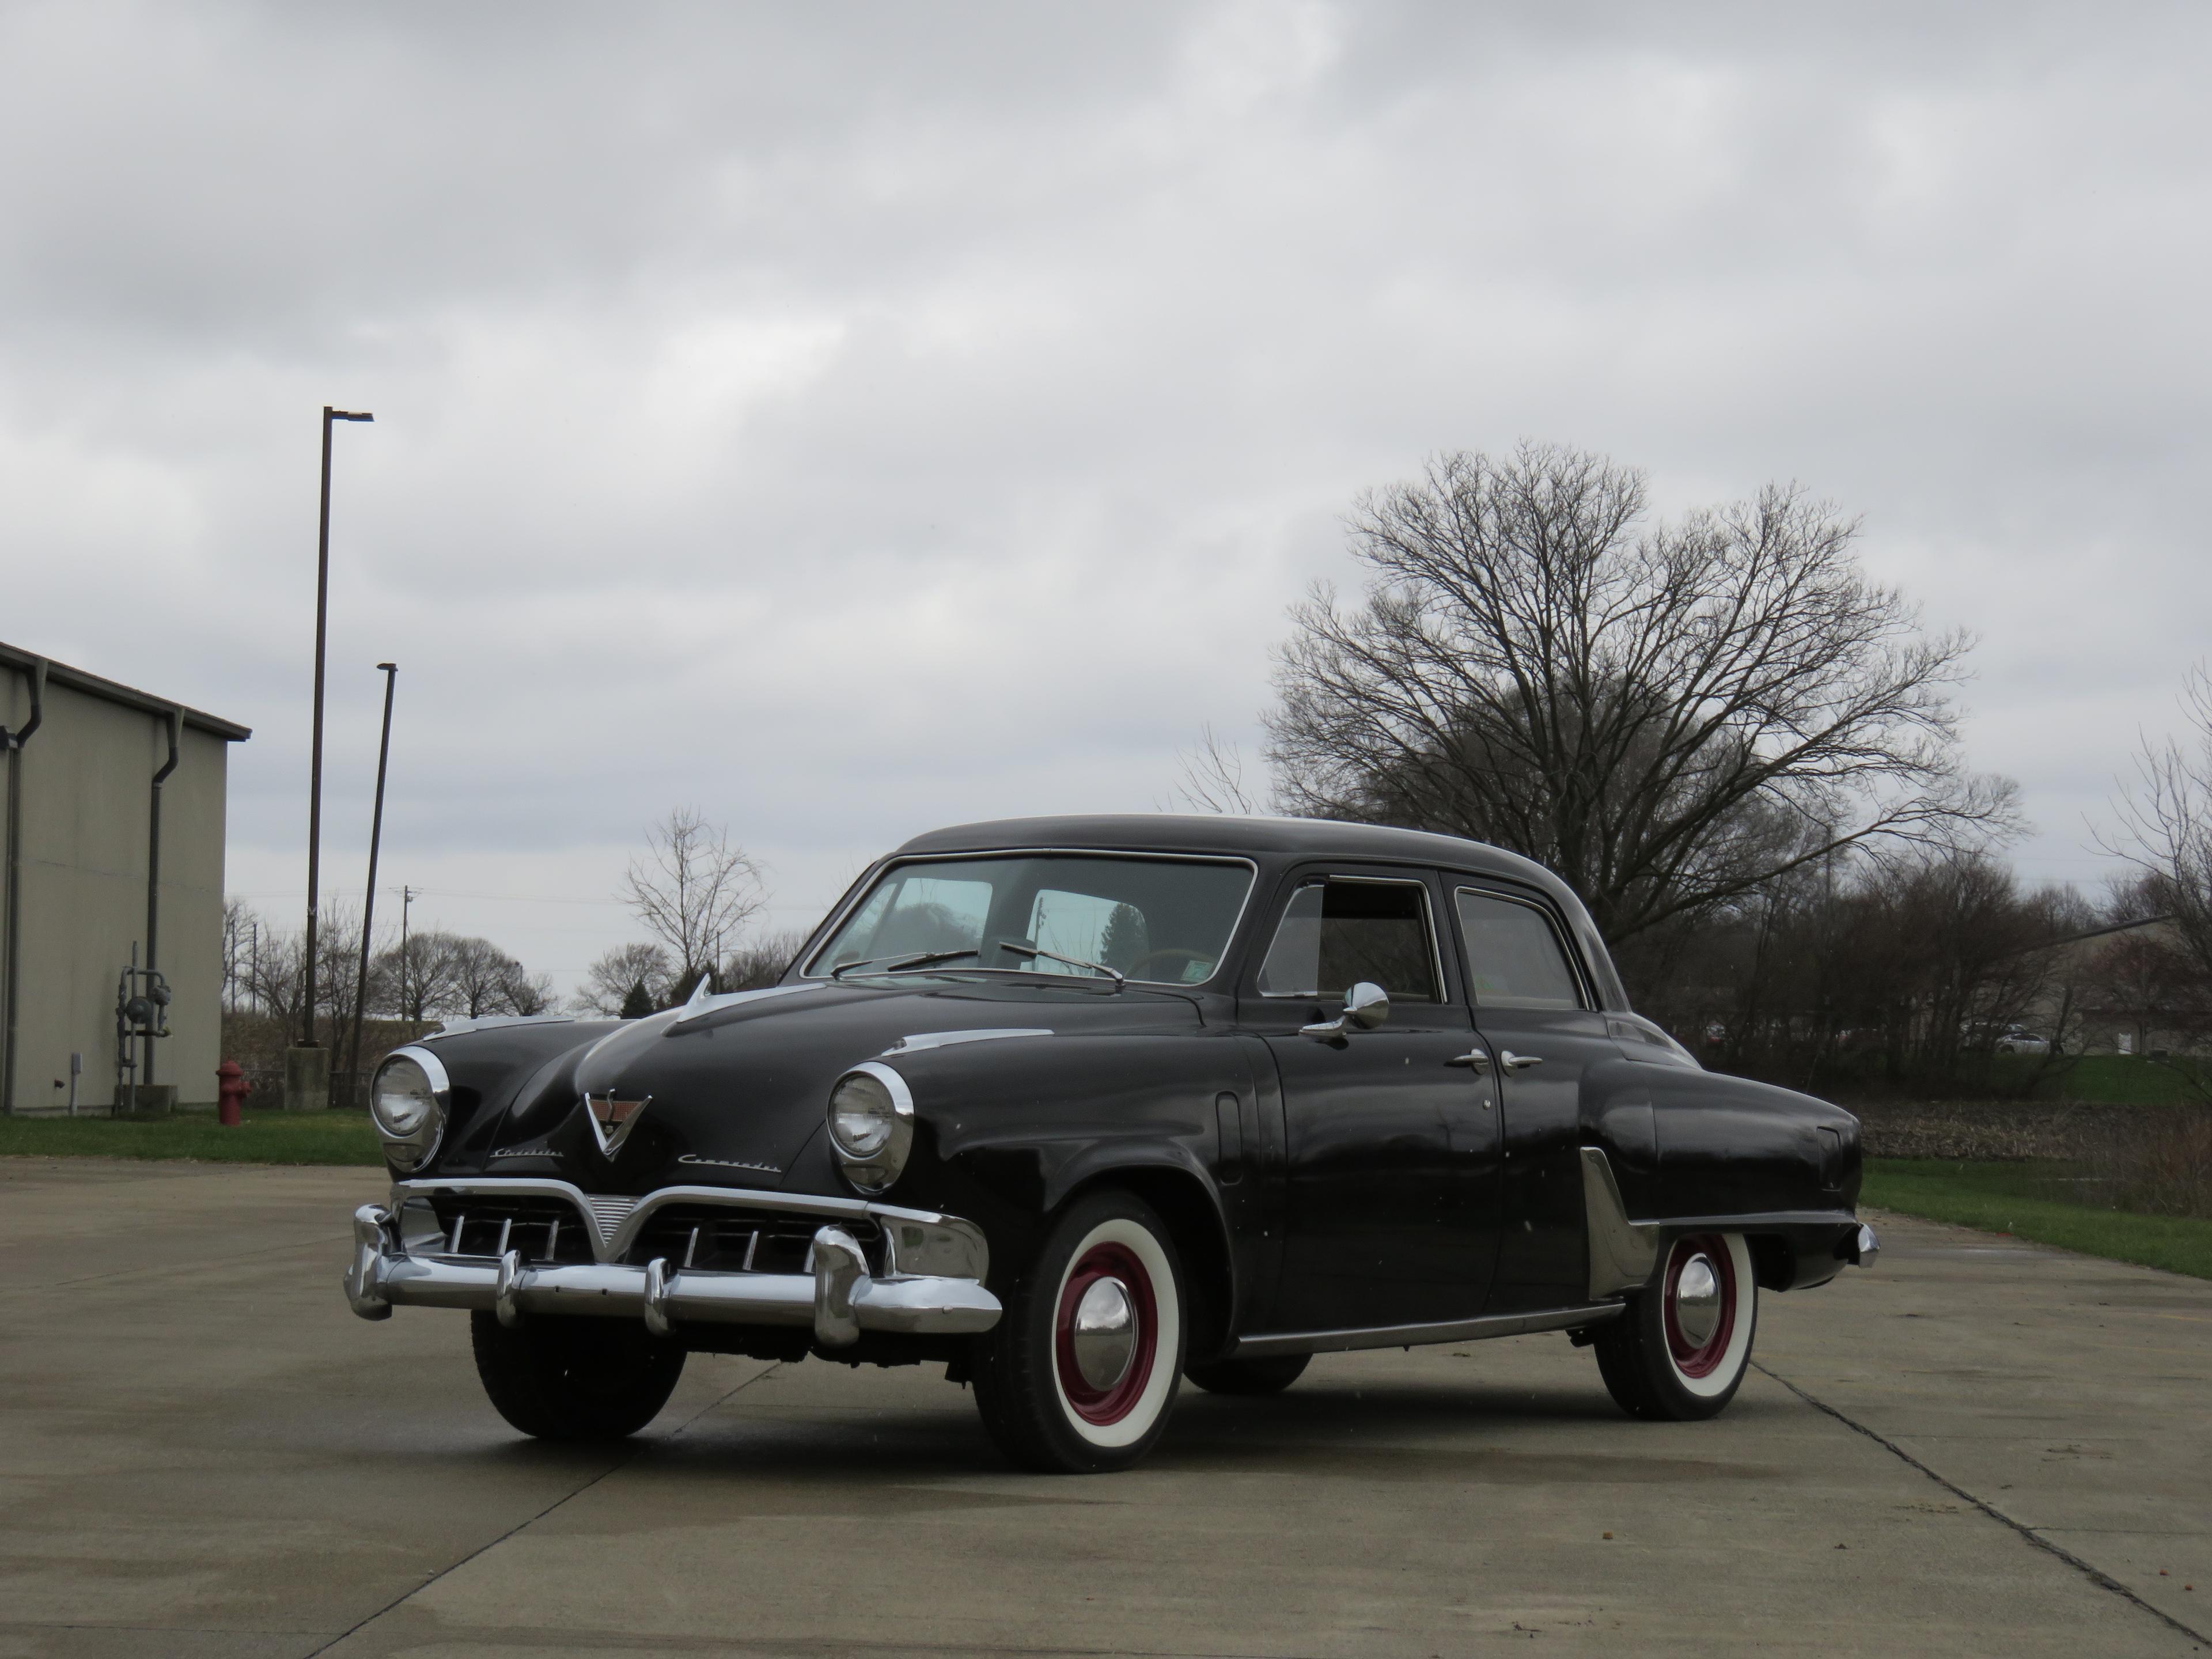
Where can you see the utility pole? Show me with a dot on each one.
(391, 671)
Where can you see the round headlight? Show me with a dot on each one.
(871, 1124)
(407, 1099)
(402, 1099)
(861, 1115)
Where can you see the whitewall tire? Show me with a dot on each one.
(1080, 1373)
(1680, 1349)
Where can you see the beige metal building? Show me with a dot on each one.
(102, 783)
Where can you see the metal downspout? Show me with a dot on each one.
(14, 895)
(154, 873)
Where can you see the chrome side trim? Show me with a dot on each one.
(1414, 1336)
(920, 1040)
(699, 1007)
(455, 1027)
(1623, 1254)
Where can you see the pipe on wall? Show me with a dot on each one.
(154, 872)
(10, 946)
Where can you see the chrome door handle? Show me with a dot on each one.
(1474, 1059)
(1513, 1062)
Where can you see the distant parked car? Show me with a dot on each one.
(2017, 1040)
(1078, 1108)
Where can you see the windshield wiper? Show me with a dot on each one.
(1114, 974)
(925, 960)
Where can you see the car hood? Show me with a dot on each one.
(729, 1093)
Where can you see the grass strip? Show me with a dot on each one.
(342, 1138)
(2016, 1199)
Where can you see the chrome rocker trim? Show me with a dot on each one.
(1415, 1336)
(933, 1284)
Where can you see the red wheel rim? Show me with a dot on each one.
(1109, 1405)
(1700, 1358)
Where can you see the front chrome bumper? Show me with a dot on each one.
(932, 1283)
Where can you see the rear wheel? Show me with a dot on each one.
(1250, 1377)
(1680, 1351)
(1080, 1374)
(574, 1379)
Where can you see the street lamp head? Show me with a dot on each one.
(345, 415)
(389, 667)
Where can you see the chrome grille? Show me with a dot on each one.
(539, 1229)
(713, 1239)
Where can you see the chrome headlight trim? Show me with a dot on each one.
(873, 1170)
(416, 1148)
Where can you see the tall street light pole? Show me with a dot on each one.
(315, 778)
(390, 671)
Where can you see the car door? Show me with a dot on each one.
(1540, 1025)
(1390, 1202)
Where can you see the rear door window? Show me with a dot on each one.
(1514, 956)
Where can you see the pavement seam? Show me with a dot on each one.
(628, 1457)
(2095, 1575)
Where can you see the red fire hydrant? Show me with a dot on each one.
(230, 1091)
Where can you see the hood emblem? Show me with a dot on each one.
(612, 1120)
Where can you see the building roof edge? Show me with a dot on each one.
(78, 679)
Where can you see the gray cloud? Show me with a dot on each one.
(850, 420)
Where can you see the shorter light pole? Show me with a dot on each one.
(406, 904)
(391, 671)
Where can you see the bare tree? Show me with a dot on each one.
(2165, 825)
(486, 980)
(1213, 776)
(760, 960)
(1667, 714)
(417, 983)
(269, 964)
(609, 981)
(693, 890)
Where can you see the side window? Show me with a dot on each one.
(1336, 933)
(1513, 956)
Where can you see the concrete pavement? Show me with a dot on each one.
(1978, 1449)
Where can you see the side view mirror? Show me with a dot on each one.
(1366, 1005)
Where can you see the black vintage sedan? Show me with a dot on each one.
(1078, 1108)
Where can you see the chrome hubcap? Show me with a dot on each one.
(1105, 1333)
(1698, 1301)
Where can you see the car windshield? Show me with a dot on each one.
(1164, 920)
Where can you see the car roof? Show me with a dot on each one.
(1274, 838)
(1275, 841)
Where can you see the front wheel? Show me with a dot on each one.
(1080, 1374)
(1680, 1351)
(574, 1379)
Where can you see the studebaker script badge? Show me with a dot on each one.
(612, 1119)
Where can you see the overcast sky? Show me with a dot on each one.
(852, 419)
